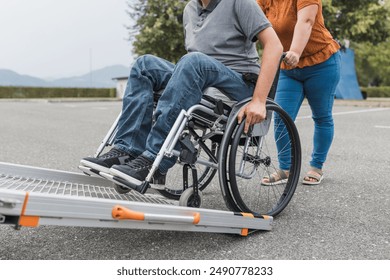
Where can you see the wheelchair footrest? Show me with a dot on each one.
(139, 188)
(126, 184)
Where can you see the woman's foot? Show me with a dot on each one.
(276, 178)
(313, 177)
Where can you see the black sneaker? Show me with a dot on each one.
(104, 162)
(136, 171)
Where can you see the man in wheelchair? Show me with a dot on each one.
(220, 37)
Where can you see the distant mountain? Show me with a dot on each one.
(11, 78)
(102, 78)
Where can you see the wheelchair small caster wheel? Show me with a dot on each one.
(121, 190)
(189, 199)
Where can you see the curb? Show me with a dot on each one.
(369, 102)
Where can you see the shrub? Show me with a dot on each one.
(376, 91)
(43, 92)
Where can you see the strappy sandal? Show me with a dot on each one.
(313, 173)
(276, 178)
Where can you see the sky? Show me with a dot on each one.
(60, 38)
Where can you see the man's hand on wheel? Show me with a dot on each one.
(254, 112)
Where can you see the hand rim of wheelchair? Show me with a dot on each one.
(228, 184)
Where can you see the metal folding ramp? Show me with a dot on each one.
(31, 196)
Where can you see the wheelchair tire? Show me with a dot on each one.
(174, 186)
(188, 199)
(247, 159)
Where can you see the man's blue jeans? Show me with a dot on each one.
(183, 86)
(318, 84)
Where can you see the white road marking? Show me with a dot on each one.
(382, 126)
(351, 112)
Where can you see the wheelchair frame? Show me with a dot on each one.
(222, 121)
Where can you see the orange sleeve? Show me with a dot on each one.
(304, 3)
(261, 4)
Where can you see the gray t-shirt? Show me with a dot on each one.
(226, 30)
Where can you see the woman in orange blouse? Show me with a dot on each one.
(310, 69)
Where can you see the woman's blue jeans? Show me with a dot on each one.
(318, 84)
(183, 86)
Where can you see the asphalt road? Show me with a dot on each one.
(346, 217)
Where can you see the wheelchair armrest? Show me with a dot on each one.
(218, 105)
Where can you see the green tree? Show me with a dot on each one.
(158, 28)
(358, 20)
(373, 63)
(365, 23)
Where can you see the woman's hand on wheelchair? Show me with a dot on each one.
(253, 112)
(291, 58)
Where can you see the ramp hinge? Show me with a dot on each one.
(8, 203)
(2, 219)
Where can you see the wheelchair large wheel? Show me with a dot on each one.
(248, 158)
(174, 184)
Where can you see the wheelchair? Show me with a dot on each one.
(211, 141)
